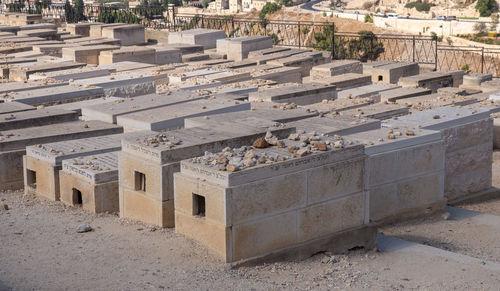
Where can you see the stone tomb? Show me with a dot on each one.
(14, 107)
(404, 172)
(147, 165)
(43, 162)
(367, 91)
(337, 67)
(468, 136)
(55, 95)
(391, 73)
(128, 84)
(78, 105)
(205, 37)
(299, 94)
(30, 118)
(96, 29)
(474, 80)
(13, 144)
(335, 125)
(110, 111)
(287, 206)
(91, 182)
(378, 111)
(31, 85)
(432, 80)
(305, 61)
(128, 34)
(401, 93)
(132, 54)
(86, 54)
(345, 81)
(166, 55)
(172, 117)
(22, 72)
(257, 113)
(238, 48)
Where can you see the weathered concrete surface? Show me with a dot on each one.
(22, 72)
(336, 67)
(55, 95)
(30, 118)
(132, 54)
(86, 54)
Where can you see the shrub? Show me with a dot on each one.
(420, 6)
(486, 7)
(269, 8)
(368, 18)
(480, 27)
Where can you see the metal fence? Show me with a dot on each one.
(342, 45)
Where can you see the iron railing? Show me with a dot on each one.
(342, 45)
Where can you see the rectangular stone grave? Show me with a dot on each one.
(401, 93)
(366, 91)
(91, 182)
(128, 34)
(299, 94)
(405, 172)
(378, 111)
(391, 73)
(263, 114)
(436, 100)
(304, 213)
(55, 95)
(30, 118)
(122, 85)
(78, 105)
(132, 54)
(199, 36)
(14, 107)
(86, 54)
(432, 80)
(96, 29)
(31, 85)
(304, 60)
(147, 165)
(468, 136)
(165, 55)
(280, 75)
(345, 81)
(14, 142)
(108, 112)
(335, 125)
(43, 33)
(474, 80)
(22, 72)
(172, 117)
(267, 51)
(45, 161)
(336, 67)
(237, 49)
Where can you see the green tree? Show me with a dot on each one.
(46, 3)
(204, 3)
(68, 12)
(269, 8)
(38, 6)
(78, 9)
(486, 7)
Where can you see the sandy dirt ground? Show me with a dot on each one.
(41, 250)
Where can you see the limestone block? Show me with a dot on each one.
(336, 67)
(131, 34)
(132, 54)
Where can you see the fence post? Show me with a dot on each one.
(413, 49)
(333, 41)
(482, 60)
(298, 26)
(436, 57)
(202, 22)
